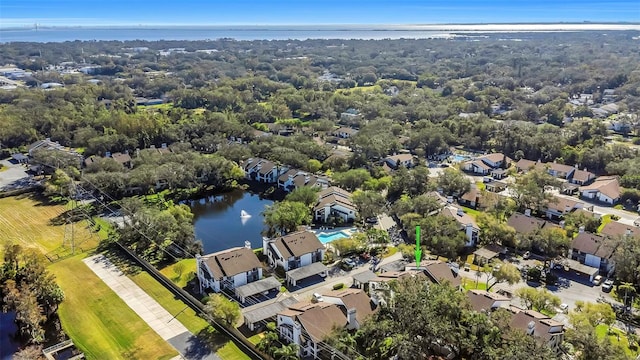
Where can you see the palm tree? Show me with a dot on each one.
(287, 352)
(267, 343)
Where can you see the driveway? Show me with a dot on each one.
(159, 319)
(626, 217)
(340, 277)
(13, 176)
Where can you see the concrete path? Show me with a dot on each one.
(159, 319)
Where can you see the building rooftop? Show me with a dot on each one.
(482, 300)
(525, 224)
(616, 229)
(231, 262)
(258, 287)
(298, 244)
(354, 299)
(307, 271)
(608, 186)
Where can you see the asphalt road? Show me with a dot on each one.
(13, 176)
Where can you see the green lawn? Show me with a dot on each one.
(471, 211)
(469, 284)
(602, 330)
(604, 221)
(225, 348)
(187, 273)
(99, 322)
(168, 301)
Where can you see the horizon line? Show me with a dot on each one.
(396, 25)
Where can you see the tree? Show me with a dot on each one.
(627, 259)
(369, 203)
(538, 299)
(286, 216)
(286, 352)
(351, 179)
(453, 182)
(592, 314)
(494, 231)
(304, 194)
(223, 310)
(551, 241)
(530, 189)
(501, 272)
(268, 343)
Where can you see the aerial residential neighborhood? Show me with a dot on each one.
(469, 191)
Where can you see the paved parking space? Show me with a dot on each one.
(13, 176)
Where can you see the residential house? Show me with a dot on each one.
(471, 198)
(608, 95)
(477, 167)
(495, 160)
(439, 273)
(441, 199)
(123, 159)
(593, 250)
(307, 325)
(262, 170)
(605, 189)
(293, 179)
(524, 165)
(395, 161)
(495, 186)
(345, 132)
(336, 202)
(558, 207)
(544, 329)
(299, 254)
(560, 171)
(45, 144)
(582, 177)
(228, 269)
(498, 174)
(350, 301)
(615, 229)
(380, 288)
(467, 223)
(525, 223)
(484, 301)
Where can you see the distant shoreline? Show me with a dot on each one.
(537, 26)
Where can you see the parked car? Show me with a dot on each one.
(597, 280)
(347, 264)
(607, 285)
(526, 255)
(317, 297)
(564, 307)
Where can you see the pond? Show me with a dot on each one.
(8, 329)
(219, 222)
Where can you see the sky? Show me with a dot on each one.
(310, 12)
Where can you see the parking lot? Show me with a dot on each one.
(14, 176)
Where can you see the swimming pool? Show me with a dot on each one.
(459, 158)
(327, 237)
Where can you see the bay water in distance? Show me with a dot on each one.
(283, 32)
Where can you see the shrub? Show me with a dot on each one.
(338, 286)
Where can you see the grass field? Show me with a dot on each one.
(616, 336)
(187, 273)
(225, 348)
(97, 320)
(473, 213)
(469, 284)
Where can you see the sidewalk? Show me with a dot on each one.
(159, 319)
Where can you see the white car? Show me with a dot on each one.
(597, 280)
(564, 307)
